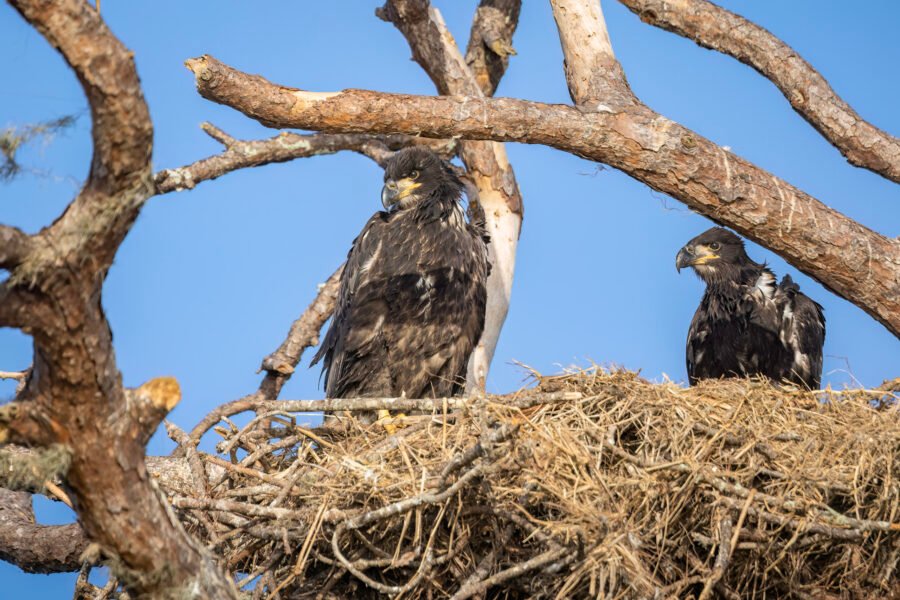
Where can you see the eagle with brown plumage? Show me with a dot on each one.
(412, 297)
(747, 324)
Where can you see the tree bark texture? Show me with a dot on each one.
(716, 28)
(853, 261)
(74, 395)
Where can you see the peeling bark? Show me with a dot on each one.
(853, 261)
(716, 28)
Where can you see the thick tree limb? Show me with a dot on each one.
(596, 79)
(848, 258)
(75, 396)
(122, 131)
(37, 548)
(486, 163)
(716, 28)
(56, 549)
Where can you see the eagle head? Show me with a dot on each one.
(713, 254)
(416, 173)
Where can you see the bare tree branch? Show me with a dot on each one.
(304, 333)
(848, 258)
(280, 364)
(716, 28)
(75, 395)
(596, 79)
(283, 147)
(37, 548)
(14, 246)
(490, 41)
(486, 163)
(393, 404)
(122, 131)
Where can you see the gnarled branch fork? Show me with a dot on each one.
(74, 396)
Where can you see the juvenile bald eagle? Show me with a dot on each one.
(746, 324)
(411, 304)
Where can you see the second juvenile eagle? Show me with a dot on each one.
(411, 304)
(747, 324)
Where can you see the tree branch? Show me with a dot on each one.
(75, 395)
(716, 28)
(283, 147)
(37, 548)
(486, 162)
(595, 78)
(304, 333)
(490, 41)
(122, 131)
(848, 258)
(280, 364)
(14, 246)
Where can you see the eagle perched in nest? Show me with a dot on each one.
(746, 324)
(411, 304)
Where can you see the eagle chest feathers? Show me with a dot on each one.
(411, 305)
(747, 324)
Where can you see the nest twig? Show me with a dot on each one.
(590, 485)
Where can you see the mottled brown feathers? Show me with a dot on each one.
(747, 324)
(411, 305)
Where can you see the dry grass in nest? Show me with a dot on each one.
(594, 484)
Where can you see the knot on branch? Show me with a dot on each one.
(493, 24)
(151, 402)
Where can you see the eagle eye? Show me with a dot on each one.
(414, 175)
(714, 246)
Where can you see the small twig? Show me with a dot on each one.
(251, 510)
(217, 134)
(59, 493)
(537, 562)
(727, 543)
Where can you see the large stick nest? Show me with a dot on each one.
(634, 490)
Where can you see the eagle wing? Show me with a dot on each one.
(802, 332)
(697, 334)
(410, 310)
(359, 315)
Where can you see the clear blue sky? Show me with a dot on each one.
(208, 281)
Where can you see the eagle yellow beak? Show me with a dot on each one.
(395, 191)
(692, 256)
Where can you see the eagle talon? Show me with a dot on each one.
(390, 424)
